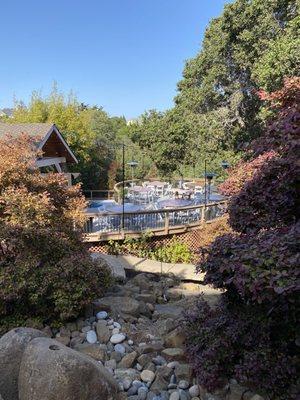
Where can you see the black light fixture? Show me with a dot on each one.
(225, 164)
(132, 164)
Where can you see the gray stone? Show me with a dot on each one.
(118, 305)
(159, 384)
(126, 383)
(91, 337)
(115, 355)
(132, 391)
(131, 373)
(175, 338)
(150, 347)
(173, 364)
(143, 281)
(103, 333)
(101, 315)
(12, 346)
(159, 360)
(184, 395)
(173, 354)
(96, 351)
(128, 360)
(168, 311)
(183, 384)
(117, 338)
(194, 391)
(142, 393)
(147, 376)
(174, 396)
(53, 371)
(183, 372)
(111, 364)
(119, 348)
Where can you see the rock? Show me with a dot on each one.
(194, 391)
(127, 383)
(118, 305)
(132, 391)
(147, 376)
(144, 359)
(150, 347)
(159, 384)
(237, 391)
(63, 340)
(86, 328)
(143, 281)
(174, 294)
(159, 360)
(173, 354)
(174, 396)
(183, 371)
(12, 346)
(167, 311)
(142, 393)
(47, 331)
(75, 341)
(103, 333)
(115, 331)
(120, 348)
(183, 395)
(130, 342)
(173, 379)
(53, 371)
(183, 384)
(128, 360)
(117, 325)
(256, 397)
(164, 326)
(101, 315)
(115, 355)
(150, 367)
(164, 371)
(97, 352)
(117, 338)
(173, 364)
(176, 338)
(91, 337)
(146, 298)
(130, 373)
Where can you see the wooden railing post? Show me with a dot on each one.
(202, 215)
(167, 222)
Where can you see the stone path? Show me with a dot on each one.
(135, 331)
(121, 263)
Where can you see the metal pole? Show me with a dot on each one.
(205, 188)
(123, 186)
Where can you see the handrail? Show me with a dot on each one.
(177, 209)
(101, 226)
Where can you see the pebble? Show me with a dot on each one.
(183, 384)
(117, 325)
(115, 331)
(139, 367)
(119, 348)
(91, 337)
(172, 386)
(173, 379)
(184, 395)
(117, 338)
(102, 315)
(85, 329)
(194, 391)
(130, 342)
(126, 383)
(138, 384)
(173, 364)
(159, 360)
(147, 376)
(132, 390)
(142, 393)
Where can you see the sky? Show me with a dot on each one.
(124, 55)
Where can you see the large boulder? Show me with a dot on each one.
(12, 346)
(118, 305)
(50, 371)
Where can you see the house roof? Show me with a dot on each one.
(40, 130)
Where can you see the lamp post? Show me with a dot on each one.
(132, 164)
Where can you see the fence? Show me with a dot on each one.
(104, 226)
(99, 194)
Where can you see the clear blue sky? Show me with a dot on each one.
(124, 55)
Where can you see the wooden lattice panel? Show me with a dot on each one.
(192, 239)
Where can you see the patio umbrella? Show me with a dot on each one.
(128, 207)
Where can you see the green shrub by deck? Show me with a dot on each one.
(252, 335)
(45, 271)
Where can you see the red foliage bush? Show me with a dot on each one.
(253, 334)
(45, 270)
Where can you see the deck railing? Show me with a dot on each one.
(99, 194)
(160, 221)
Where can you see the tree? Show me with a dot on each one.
(252, 334)
(45, 270)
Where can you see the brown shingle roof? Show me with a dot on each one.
(34, 129)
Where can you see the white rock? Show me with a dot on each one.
(130, 342)
(117, 325)
(91, 337)
(139, 367)
(119, 348)
(117, 338)
(127, 383)
(173, 364)
(174, 396)
(147, 375)
(194, 391)
(111, 327)
(115, 331)
(102, 315)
